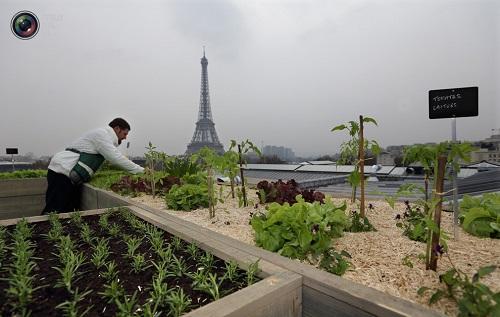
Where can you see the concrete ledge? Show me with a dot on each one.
(22, 197)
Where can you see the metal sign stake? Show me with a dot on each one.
(454, 180)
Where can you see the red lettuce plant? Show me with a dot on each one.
(282, 192)
(130, 185)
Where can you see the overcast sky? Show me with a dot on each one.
(280, 72)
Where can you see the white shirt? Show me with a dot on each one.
(102, 141)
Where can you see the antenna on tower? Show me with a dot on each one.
(203, 50)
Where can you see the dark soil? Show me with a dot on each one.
(45, 299)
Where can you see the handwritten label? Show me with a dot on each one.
(455, 102)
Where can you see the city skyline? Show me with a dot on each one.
(282, 73)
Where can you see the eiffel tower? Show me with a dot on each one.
(205, 134)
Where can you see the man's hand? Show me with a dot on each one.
(147, 171)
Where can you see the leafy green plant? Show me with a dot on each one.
(113, 291)
(86, 233)
(127, 306)
(69, 307)
(139, 263)
(192, 249)
(133, 244)
(472, 297)
(301, 229)
(24, 174)
(21, 275)
(414, 223)
(210, 286)
(111, 271)
(152, 158)
(429, 156)
(231, 270)
(352, 151)
(211, 162)
(100, 253)
(243, 148)
(178, 302)
(69, 271)
(252, 271)
(282, 192)
(181, 167)
(480, 216)
(358, 224)
(105, 179)
(187, 197)
(335, 262)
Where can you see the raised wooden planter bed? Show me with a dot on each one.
(277, 294)
(319, 293)
(323, 294)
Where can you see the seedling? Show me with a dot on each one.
(178, 302)
(253, 270)
(132, 245)
(113, 291)
(101, 252)
(70, 308)
(110, 272)
(139, 263)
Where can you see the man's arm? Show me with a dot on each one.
(114, 156)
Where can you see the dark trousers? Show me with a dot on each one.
(62, 195)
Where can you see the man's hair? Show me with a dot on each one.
(119, 122)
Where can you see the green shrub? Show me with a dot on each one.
(24, 174)
(480, 216)
(104, 179)
(195, 179)
(181, 166)
(472, 297)
(187, 197)
(301, 229)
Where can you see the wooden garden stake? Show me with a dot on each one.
(437, 213)
(362, 167)
(245, 203)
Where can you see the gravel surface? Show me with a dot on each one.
(377, 257)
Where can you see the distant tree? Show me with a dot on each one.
(398, 161)
(326, 158)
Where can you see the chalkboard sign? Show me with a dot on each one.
(11, 150)
(451, 103)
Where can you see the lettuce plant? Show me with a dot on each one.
(282, 192)
(187, 197)
(480, 216)
(301, 229)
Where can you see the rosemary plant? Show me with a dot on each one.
(178, 302)
(70, 308)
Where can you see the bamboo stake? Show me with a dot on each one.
(362, 167)
(437, 213)
(245, 203)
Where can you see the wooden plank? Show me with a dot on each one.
(27, 206)
(363, 298)
(276, 296)
(23, 187)
(206, 242)
(316, 303)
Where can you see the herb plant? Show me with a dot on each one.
(472, 297)
(353, 151)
